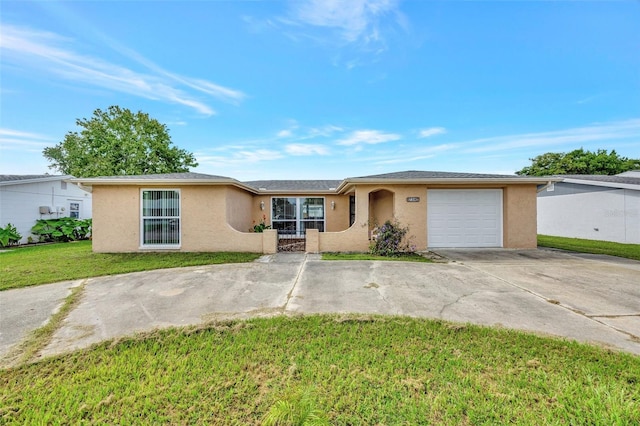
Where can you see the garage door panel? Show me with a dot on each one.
(464, 218)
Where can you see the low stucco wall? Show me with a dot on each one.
(354, 238)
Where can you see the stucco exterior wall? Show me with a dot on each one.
(204, 227)
(519, 216)
(612, 215)
(381, 207)
(116, 219)
(337, 219)
(218, 218)
(356, 237)
(240, 209)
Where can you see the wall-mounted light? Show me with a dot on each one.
(261, 205)
(333, 205)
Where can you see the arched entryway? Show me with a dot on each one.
(381, 208)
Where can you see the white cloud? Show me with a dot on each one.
(574, 137)
(57, 55)
(243, 155)
(324, 131)
(17, 139)
(370, 137)
(285, 133)
(306, 149)
(357, 20)
(432, 131)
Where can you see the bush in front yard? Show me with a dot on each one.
(62, 230)
(389, 240)
(9, 235)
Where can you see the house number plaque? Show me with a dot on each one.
(413, 199)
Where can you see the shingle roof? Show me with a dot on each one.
(294, 185)
(417, 174)
(18, 178)
(317, 186)
(628, 180)
(186, 176)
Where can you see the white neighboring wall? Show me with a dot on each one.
(612, 215)
(20, 202)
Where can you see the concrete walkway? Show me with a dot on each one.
(593, 300)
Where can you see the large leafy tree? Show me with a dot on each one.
(118, 142)
(579, 162)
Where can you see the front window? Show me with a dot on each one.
(160, 218)
(294, 215)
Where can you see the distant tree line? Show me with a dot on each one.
(579, 162)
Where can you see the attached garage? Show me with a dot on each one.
(464, 218)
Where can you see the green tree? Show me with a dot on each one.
(579, 162)
(118, 142)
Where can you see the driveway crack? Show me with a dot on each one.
(568, 308)
(303, 264)
(448, 305)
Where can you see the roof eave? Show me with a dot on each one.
(296, 192)
(90, 182)
(350, 182)
(601, 183)
(36, 180)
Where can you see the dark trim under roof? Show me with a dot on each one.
(170, 176)
(316, 186)
(417, 174)
(295, 185)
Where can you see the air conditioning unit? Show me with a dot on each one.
(45, 210)
(60, 209)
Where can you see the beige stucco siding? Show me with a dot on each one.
(204, 219)
(116, 219)
(240, 209)
(520, 216)
(355, 237)
(207, 226)
(219, 217)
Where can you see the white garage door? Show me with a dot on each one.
(464, 218)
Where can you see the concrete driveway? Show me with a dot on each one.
(590, 299)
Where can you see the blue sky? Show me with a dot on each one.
(328, 89)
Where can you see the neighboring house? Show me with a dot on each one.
(198, 212)
(27, 198)
(594, 207)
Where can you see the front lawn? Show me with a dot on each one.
(25, 266)
(356, 370)
(629, 251)
(407, 257)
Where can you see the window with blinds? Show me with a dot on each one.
(160, 217)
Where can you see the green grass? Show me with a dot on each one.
(26, 266)
(355, 370)
(407, 257)
(629, 251)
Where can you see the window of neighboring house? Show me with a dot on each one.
(294, 215)
(74, 210)
(160, 218)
